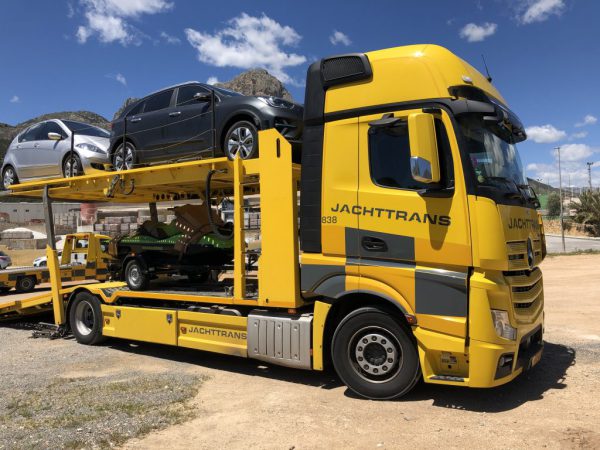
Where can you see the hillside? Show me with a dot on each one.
(257, 82)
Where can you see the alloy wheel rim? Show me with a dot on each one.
(72, 168)
(241, 141)
(124, 158)
(134, 275)
(9, 177)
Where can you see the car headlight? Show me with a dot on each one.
(276, 102)
(502, 325)
(90, 148)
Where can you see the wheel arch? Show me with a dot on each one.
(118, 141)
(237, 117)
(65, 156)
(350, 301)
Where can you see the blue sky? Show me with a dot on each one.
(92, 54)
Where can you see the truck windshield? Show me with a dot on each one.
(494, 160)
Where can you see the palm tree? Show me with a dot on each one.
(587, 211)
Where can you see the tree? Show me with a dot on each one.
(587, 211)
(553, 204)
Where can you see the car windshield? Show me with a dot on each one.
(226, 92)
(86, 129)
(494, 160)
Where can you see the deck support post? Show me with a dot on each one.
(58, 305)
(239, 242)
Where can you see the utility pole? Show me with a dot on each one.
(562, 225)
(590, 164)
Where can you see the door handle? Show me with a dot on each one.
(36, 145)
(136, 119)
(174, 113)
(373, 244)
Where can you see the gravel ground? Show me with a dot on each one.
(58, 394)
(248, 404)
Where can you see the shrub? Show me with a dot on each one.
(553, 204)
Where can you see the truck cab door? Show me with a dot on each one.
(413, 237)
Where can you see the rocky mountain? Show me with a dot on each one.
(8, 132)
(257, 82)
(125, 104)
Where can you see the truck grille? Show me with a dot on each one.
(527, 293)
(517, 254)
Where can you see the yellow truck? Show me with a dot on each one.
(84, 257)
(413, 255)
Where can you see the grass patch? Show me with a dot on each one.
(95, 412)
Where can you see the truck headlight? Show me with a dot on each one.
(90, 148)
(502, 325)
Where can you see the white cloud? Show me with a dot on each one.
(545, 134)
(578, 135)
(477, 33)
(249, 42)
(15, 99)
(70, 10)
(212, 80)
(574, 173)
(573, 152)
(170, 39)
(339, 38)
(108, 19)
(587, 120)
(540, 10)
(118, 77)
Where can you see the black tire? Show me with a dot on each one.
(4, 290)
(85, 319)
(242, 139)
(124, 157)
(375, 355)
(25, 284)
(136, 276)
(5, 177)
(72, 166)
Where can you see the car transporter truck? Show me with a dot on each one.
(413, 254)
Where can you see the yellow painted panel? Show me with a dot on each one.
(278, 266)
(456, 326)
(140, 324)
(213, 332)
(320, 316)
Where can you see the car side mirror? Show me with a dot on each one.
(424, 157)
(202, 97)
(55, 137)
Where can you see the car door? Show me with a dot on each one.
(189, 127)
(48, 152)
(149, 127)
(406, 235)
(24, 153)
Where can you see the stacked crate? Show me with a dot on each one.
(119, 223)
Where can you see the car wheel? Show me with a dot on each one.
(136, 277)
(375, 355)
(9, 176)
(124, 157)
(25, 284)
(72, 166)
(242, 140)
(85, 319)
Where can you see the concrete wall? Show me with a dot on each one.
(22, 213)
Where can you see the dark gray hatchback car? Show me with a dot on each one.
(176, 123)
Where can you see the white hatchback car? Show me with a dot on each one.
(5, 261)
(44, 150)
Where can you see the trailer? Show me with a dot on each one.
(413, 255)
(85, 257)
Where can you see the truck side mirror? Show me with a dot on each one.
(424, 157)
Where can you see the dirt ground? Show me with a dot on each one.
(245, 404)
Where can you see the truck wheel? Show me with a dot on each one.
(25, 284)
(374, 354)
(85, 319)
(135, 276)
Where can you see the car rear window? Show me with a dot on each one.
(161, 100)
